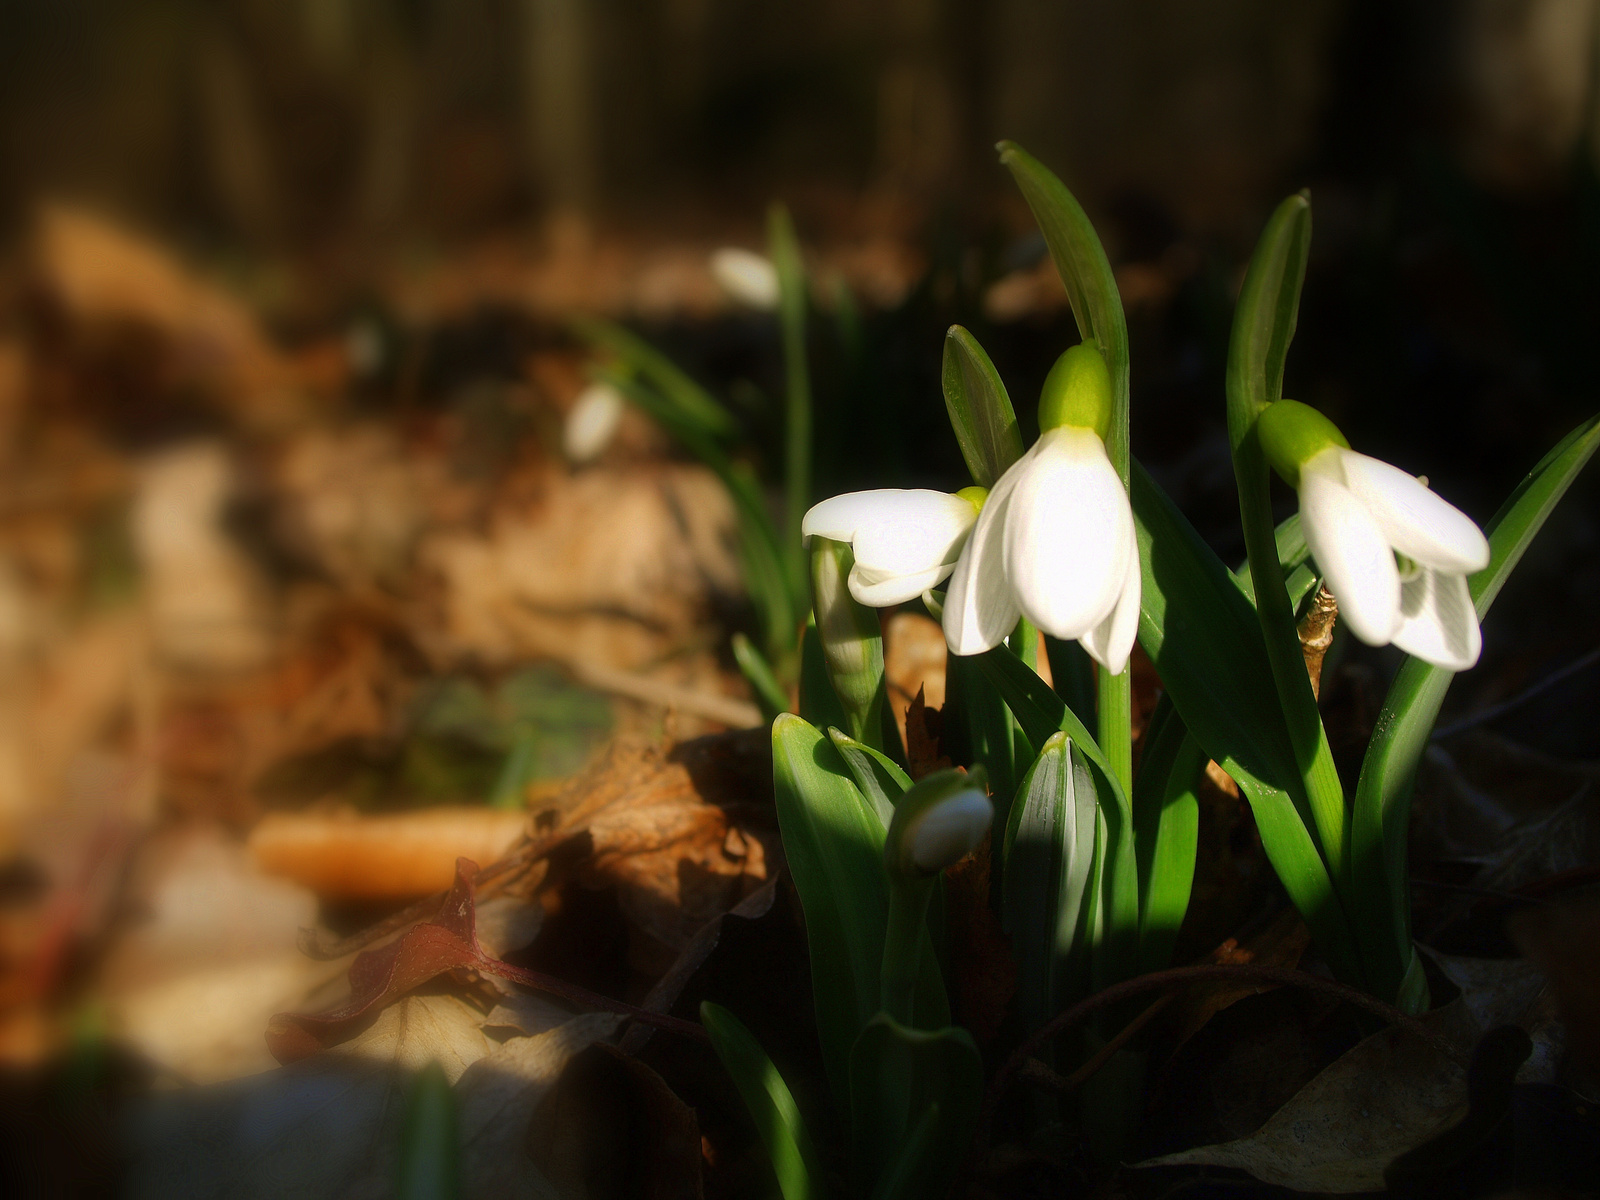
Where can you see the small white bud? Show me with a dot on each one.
(592, 422)
(951, 830)
(747, 277)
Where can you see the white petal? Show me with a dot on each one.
(746, 276)
(979, 607)
(839, 517)
(1418, 522)
(1111, 642)
(951, 830)
(592, 421)
(882, 591)
(1351, 550)
(915, 531)
(1068, 534)
(1438, 622)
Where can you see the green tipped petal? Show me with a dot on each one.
(1292, 434)
(1077, 392)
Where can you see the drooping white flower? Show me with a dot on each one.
(904, 542)
(951, 829)
(746, 276)
(592, 422)
(1396, 556)
(1054, 543)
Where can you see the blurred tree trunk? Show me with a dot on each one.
(558, 81)
(919, 130)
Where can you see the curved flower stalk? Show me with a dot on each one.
(1055, 541)
(904, 542)
(1396, 555)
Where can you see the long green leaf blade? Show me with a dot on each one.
(896, 1074)
(833, 841)
(1049, 847)
(879, 777)
(980, 410)
(770, 1103)
(1263, 326)
(1166, 817)
(1202, 635)
(1383, 796)
(692, 403)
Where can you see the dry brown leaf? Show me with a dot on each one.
(1563, 941)
(1388, 1094)
(1280, 944)
(980, 953)
(109, 282)
(447, 943)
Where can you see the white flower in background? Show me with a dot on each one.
(1055, 541)
(904, 542)
(950, 830)
(746, 276)
(1395, 555)
(592, 422)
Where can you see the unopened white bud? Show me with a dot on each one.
(592, 422)
(951, 830)
(747, 277)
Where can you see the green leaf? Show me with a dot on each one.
(1074, 674)
(1114, 881)
(1383, 796)
(905, 1176)
(1166, 821)
(763, 681)
(770, 1104)
(896, 1075)
(1264, 321)
(1202, 635)
(878, 776)
(691, 403)
(978, 728)
(1049, 848)
(1263, 327)
(1086, 273)
(980, 410)
(833, 841)
(430, 1139)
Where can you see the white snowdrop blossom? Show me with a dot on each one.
(747, 277)
(592, 422)
(904, 542)
(950, 830)
(1054, 543)
(1395, 555)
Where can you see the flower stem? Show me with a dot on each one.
(785, 250)
(902, 947)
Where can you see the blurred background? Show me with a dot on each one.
(286, 526)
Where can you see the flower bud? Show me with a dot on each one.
(747, 277)
(592, 422)
(1077, 392)
(936, 824)
(1292, 434)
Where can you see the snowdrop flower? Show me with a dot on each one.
(1055, 540)
(937, 823)
(747, 277)
(905, 542)
(1395, 555)
(592, 422)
